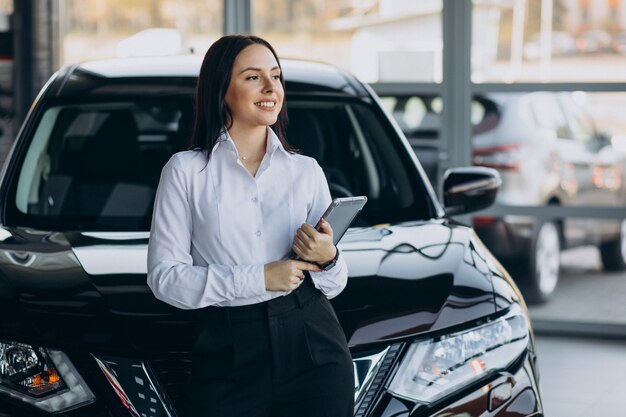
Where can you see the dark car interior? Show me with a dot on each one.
(104, 162)
(307, 135)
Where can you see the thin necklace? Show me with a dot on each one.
(244, 158)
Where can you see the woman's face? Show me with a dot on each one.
(255, 94)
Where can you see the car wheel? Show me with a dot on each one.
(614, 253)
(544, 263)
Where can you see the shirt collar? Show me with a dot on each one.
(273, 143)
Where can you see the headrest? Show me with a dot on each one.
(112, 153)
(305, 133)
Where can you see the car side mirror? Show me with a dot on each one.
(469, 189)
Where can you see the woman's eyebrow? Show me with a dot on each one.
(256, 69)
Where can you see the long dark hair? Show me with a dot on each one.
(211, 113)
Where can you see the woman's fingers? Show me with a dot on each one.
(298, 241)
(317, 247)
(325, 228)
(298, 245)
(302, 249)
(309, 231)
(307, 266)
(312, 237)
(304, 238)
(287, 275)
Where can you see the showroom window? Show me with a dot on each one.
(378, 40)
(546, 111)
(567, 57)
(93, 29)
(549, 41)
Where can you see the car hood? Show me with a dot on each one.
(89, 288)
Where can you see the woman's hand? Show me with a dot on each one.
(314, 246)
(286, 275)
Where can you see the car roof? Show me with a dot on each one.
(300, 75)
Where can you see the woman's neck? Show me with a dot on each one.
(251, 143)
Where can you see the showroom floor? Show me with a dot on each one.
(585, 293)
(583, 376)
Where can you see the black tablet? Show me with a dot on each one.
(340, 214)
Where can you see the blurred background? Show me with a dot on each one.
(533, 88)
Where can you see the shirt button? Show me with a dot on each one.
(258, 233)
(254, 199)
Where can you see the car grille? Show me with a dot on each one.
(155, 389)
(370, 374)
(136, 386)
(172, 373)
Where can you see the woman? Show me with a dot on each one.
(227, 215)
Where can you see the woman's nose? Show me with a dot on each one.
(268, 85)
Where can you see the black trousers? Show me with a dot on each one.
(285, 357)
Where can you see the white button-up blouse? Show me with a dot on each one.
(215, 226)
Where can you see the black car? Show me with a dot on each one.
(435, 325)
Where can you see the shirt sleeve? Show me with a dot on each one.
(172, 277)
(331, 282)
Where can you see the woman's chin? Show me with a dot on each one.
(269, 121)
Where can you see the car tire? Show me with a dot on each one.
(544, 264)
(613, 253)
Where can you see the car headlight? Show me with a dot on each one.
(432, 369)
(44, 378)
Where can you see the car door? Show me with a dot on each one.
(602, 173)
(569, 159)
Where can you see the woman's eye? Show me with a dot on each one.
(276, 77)
(252, 77)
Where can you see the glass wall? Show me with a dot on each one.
(559, 220)
(97, 29)
(378, 40)
(549, 41)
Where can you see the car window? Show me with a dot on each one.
(581, 126)
(485, 115)
(419, 116)
(359, 156)
(97, 166)
(548, 114)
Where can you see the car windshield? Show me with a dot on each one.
(96, 166)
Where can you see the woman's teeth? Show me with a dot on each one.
(265, 104)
